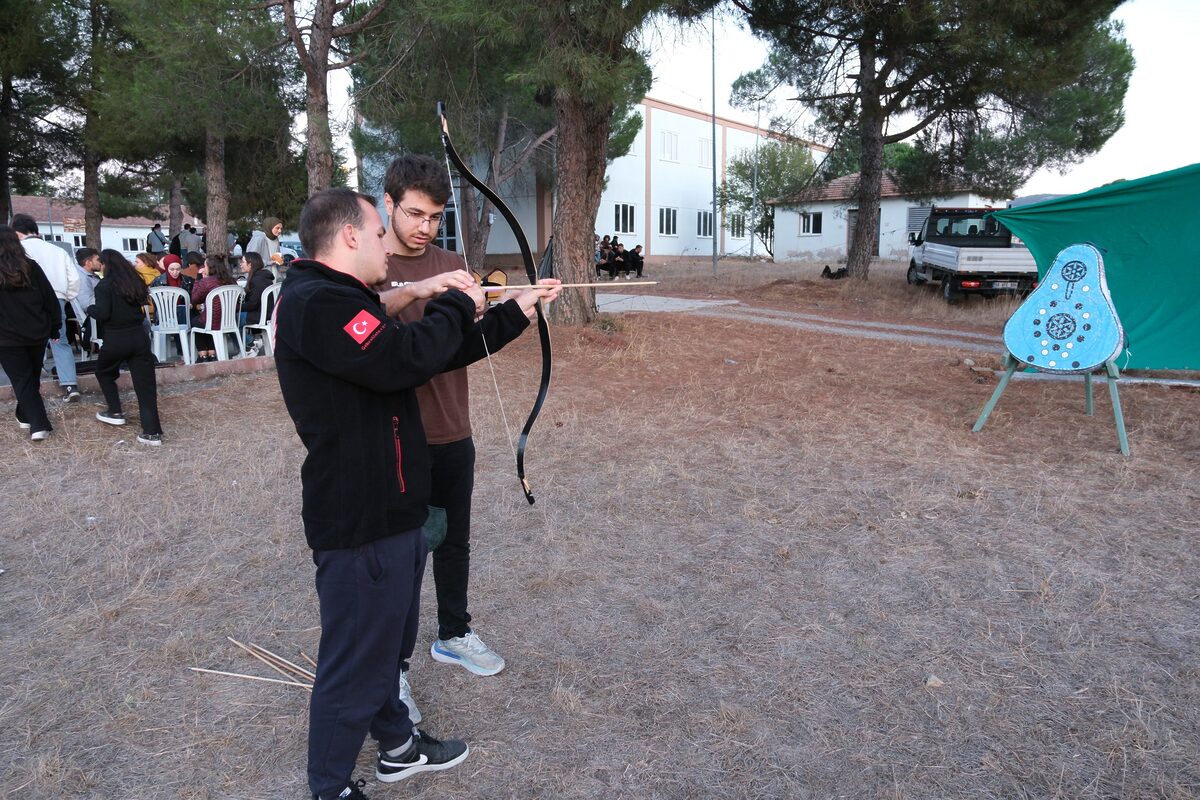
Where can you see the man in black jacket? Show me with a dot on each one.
(347, 374)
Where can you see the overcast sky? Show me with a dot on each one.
(1162, 112)
(1162, 107)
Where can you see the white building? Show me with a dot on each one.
(63, 221)
(817, 225)
(659, 195)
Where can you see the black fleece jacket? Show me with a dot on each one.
(347, 374)
(113, 312)
(29, 316)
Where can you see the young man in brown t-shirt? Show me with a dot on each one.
(416, 190)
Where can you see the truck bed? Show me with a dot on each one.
(970, 260)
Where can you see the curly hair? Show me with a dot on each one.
(420, 173)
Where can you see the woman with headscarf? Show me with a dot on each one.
(29, 316)
(120, 298)
(266, 243)
(174, 277)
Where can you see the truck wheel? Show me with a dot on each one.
(914, 278)
(949, 293)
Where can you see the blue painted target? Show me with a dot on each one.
(1068, 323)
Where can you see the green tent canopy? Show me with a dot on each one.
(1148, 231)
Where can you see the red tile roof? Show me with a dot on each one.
(844, 188)
(41, 208)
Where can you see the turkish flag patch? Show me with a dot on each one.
(362, 326)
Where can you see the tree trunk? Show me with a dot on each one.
(870, 179)
(6, 100)
(92, 215)
(479, 230)
(175, 207)
(216, 224)
(581, 160)
(319, 159)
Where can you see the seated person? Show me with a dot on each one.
(258, 279)
(214, 273)
(615, 261)
(146, 265)
(603, 258)
(634, 260)
(174, 277)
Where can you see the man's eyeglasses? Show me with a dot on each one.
(434, 220)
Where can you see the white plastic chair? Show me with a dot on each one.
(265, 312)
(230, 298)
(167, 301)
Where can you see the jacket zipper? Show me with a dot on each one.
(399, 457)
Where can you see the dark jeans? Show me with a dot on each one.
(132, 346)
(370, 601)
(452, 471)
(23, 365)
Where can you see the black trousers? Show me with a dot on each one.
(133, 347)
(23, 366)
(370, 602)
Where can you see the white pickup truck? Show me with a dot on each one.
(969, 253)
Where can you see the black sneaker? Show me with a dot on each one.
(351, 792)
(111, 417)
(426, 754)
(70, 393)
(152, 439)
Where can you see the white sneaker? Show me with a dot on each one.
(41, 436)
(469, 652)
(414, 713)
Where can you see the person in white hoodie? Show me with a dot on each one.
(63, 276)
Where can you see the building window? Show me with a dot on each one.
(737, 226)
(670, 146)
(56, 237)
(704, 224)
(667, 219)
(706, 152)
(623, 218)
(131, 245)
(78, 239)
(810, 223)
(447, 237)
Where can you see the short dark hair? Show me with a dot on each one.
(326, 212)
(157, 225)
(23, 223)
(194, 258)
(422, 173)
(84, 253)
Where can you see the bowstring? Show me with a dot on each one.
(462, 245)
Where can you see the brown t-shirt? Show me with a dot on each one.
(445, 400)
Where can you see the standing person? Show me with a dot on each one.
(30, 314)
(176, 246)
(416, 189)
(215, 273)
(88, 261)
(266, 243)
(258, 279)
(120, 297)
(58, 269)
(347, 375)
(156, 241)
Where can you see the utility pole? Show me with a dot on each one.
(715, 225)
(754, 179)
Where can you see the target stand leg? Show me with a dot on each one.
(1114, 375)
(1010, 365)
(1089, 407)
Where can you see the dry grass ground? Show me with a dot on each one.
(752, 549)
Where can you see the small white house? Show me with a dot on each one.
(816, 225)
(63, 221)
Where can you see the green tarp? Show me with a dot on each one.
(1148, 231)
